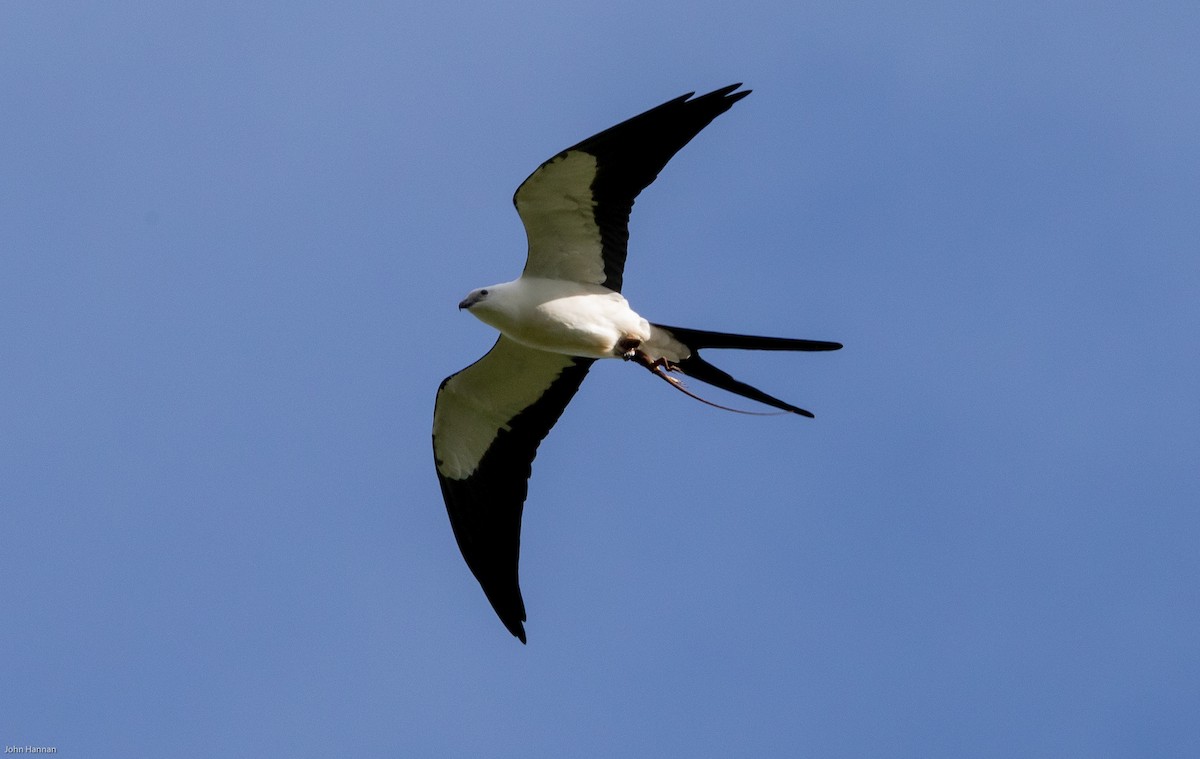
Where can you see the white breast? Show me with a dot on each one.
(553, 315)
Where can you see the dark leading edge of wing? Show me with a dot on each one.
(630, 155)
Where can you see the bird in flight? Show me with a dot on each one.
(563, 313)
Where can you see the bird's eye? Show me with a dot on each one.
(483, 292)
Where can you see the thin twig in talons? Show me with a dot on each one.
(661, 369)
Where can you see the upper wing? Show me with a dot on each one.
(576, 205)
(487, 423)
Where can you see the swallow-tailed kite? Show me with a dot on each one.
(564, 312)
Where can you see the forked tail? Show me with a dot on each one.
(694, 366)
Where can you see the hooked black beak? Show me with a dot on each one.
(472, 299)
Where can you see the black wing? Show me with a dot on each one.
(488, 421)
(576, 205)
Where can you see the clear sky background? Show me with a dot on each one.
(232, 239)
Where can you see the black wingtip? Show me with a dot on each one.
(511, 616)
(511, 613)
(726, 93)
(734, 96)
(516, 627)
(512, 621)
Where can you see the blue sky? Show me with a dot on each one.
(233, 240)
